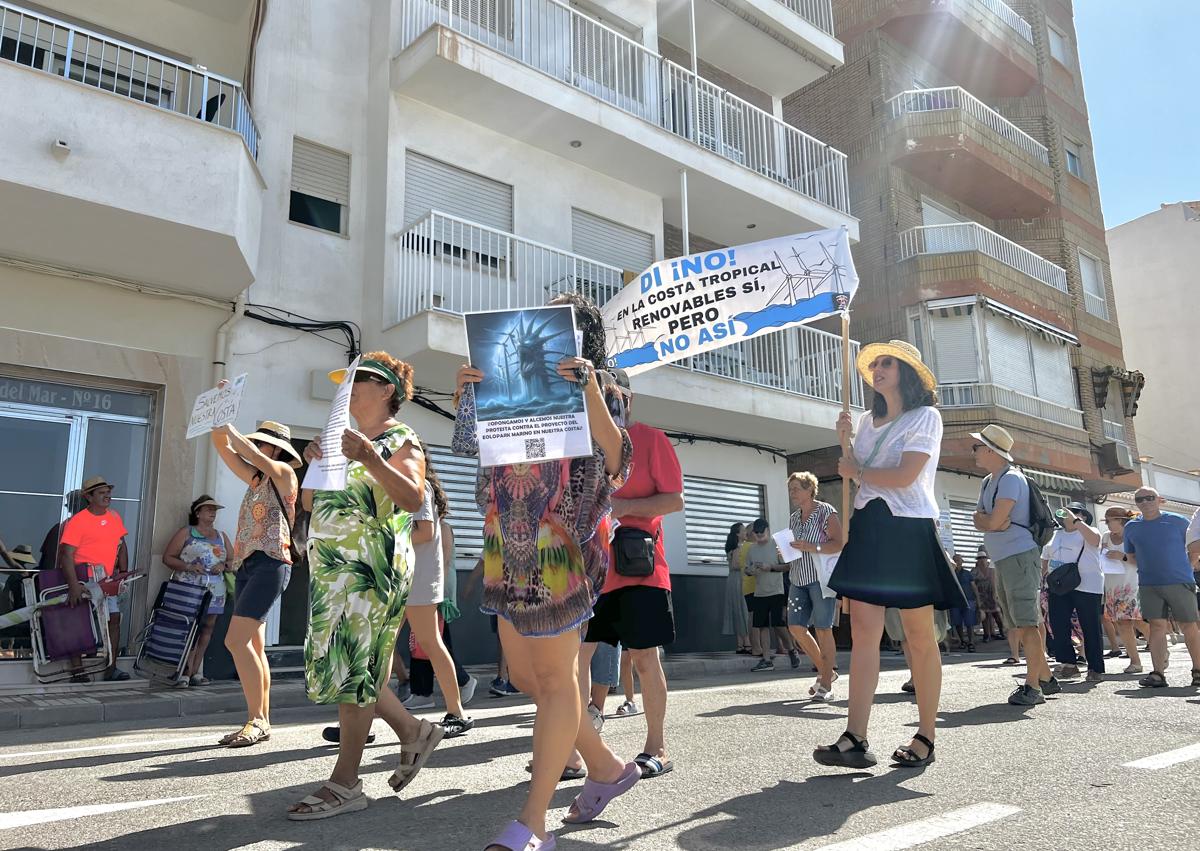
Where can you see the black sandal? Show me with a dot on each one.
(857, 756)
(906, 757)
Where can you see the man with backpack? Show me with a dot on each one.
(1014, 519)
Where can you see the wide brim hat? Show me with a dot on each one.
(22, 554)
(208, 502)
(901, 351)
(279, 435)
(1080, 508)
(94, 482)
(994, 437)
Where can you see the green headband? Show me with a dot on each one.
(393, 379)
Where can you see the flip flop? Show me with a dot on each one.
(1011, 661)
(569, 773)
(652, 766)
(595, 796)
(517, 837)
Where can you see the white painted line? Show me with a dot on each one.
(118, 745)
(926, 830)
(27, 818)
(1165, 760)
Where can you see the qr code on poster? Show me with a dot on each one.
(535, 447)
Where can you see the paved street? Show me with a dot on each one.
(1055, 776)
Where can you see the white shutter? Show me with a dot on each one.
(608, 242)
(967, 539)
(320, 172)
(1089, 271)
(711, 506)
(1052, 371)
(458, 475)
(433, 185)
(1008, 354)
(954, 342)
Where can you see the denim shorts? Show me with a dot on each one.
(606, 664)
(260, 581)
(808, 606)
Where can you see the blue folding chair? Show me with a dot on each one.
(169, 637)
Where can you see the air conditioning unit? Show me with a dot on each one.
(1115, 458)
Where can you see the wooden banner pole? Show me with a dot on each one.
(846, 449)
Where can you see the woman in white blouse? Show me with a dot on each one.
(1077, 542)
(893, 558)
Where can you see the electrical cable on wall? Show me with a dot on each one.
(287, 319)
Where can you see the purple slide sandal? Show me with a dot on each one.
(517, 837)
(596, 796)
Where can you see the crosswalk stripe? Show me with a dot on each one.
(1165, 760)
(26, 818)
(919, 832)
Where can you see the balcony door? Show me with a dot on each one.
(941, 237)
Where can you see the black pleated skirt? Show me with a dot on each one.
(897, 562)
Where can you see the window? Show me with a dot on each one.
(320, 187)
(1091, 274)
(458, 476)
(1074, 154)
(1058, 45)
(1029, 362)
(711, 506)
(956, 356)
(967, 539)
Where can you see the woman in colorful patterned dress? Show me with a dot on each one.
(360, 557)
(1121, 589)
(199, 554)
(546, 554)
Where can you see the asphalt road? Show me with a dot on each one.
(1056, 776)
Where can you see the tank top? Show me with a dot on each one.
(263, 524)
(210, 554)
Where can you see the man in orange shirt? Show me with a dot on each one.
(95, 538)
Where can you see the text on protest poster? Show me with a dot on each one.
(328, 473)
(694, 304)
(216, 407)
(525, 411)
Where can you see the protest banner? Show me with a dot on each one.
(328, 473)
(525, 411)
(690, 305)
(216, 407)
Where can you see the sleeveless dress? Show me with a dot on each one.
(210, 554)
(360, 558)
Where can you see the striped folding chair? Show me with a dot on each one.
(169, 637)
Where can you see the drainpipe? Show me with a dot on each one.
(219, 362)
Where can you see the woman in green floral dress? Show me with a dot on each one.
(360, 563)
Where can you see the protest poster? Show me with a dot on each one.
(328, 473)
(690, 305)
(525, 411)
(216, 407)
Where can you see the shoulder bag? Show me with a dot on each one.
(1065, 578)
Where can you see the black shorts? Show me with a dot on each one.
(260, 581)
(636, 616)
(770, 611)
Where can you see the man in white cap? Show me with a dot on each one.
(1003, 516)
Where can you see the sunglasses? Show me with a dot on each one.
(1145, 499)
(884, 362)
(360, 377)
(978, 446)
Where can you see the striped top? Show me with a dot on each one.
(804, 569)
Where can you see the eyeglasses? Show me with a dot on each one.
(1147, 498)
(978, 446)
(883, 362)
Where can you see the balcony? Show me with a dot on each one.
(952, 140)
(984, 44)
(978, 395)
(1114, 431)
(972, 236)
(542, 73)
(777, 46)
(1095, 304)
(124, 163)
(446, 266)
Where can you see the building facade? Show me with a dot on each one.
(194, 187)
(982, 235)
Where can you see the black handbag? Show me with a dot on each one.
(1065, 578)
(633, 552)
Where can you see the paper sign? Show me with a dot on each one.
(328, 473)
(783, 540)
(1111, 565)
(216, 407)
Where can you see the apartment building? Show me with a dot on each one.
(387, 165)
(983, 240)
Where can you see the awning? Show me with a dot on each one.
(1029, 322)
(1055, 482)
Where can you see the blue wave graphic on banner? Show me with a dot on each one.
(636, 357)
(779, 315)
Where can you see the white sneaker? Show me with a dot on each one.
(418, 701)
(596, 716)
(467, 692)
(822, 694)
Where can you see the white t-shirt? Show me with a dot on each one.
(1113, 581)
(1065, 547)
(1193, 529)
(918, 430)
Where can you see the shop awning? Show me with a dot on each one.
(1054, 482)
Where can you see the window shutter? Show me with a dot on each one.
(953, 336)
(1052, 371)
(1089, 271)
(458, 475)
(1008, 353)
(711, 506)
(599, 239)
(433, 185)
(967, 539)
(320, 172)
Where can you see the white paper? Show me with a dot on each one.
(1109, 565)
(783, 540)
(216, 407)
(328, 473)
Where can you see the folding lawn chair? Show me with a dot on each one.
(59, 631)
(169, 637)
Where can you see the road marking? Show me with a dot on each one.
(31, 817)
(1165, 760)
(113, 746)
(919, 832)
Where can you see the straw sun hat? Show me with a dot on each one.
(899, 350)
(279, 435)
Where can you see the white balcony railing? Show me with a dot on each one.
(450, 264)
(1097, 305)
(956, 97)
(977, 395)
(972, 236)
(579, 51)
(819, 13)
(75, 53)
(1114, 431)
(1007, 14)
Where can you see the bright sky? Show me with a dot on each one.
(1139, 74)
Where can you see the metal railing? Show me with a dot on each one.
(450, 264)
(586, 55)
(956, 97)
(75, 53)
(819, 13)
(1007, 14)
(977, 395)
(1097, 305)
(972, 236)
(1114, 431)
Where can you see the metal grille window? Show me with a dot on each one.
(320, 191)
(711, 506)
(457, 475)
(967, 539)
